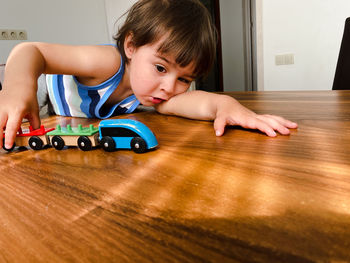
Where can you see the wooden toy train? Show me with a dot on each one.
(110, 135)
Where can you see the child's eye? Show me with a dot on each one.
(186, 81)
(160, 68)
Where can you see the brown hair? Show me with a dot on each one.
(191, 35)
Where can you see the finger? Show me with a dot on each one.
(12, 127)
(219, 126)
(265, 128)
(274, 124)
(282, 129)
(2, 127)
(34, 120)
(258, 123)
(284, 122)
(279, 124)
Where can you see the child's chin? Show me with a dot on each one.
(147, 103)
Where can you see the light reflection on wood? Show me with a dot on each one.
(197, 198)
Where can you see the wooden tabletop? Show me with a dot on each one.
(243, 197)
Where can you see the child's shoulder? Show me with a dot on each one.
(105, 61)
(110, 53)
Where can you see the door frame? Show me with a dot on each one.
(250, 39)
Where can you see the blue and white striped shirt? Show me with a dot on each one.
(71, 98)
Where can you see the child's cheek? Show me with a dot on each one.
(147, 77)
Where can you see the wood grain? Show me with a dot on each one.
(243, 197)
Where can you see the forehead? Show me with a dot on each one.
(170, 58)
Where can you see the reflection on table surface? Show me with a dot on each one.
(243, 197)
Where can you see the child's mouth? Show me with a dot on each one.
(156, 100)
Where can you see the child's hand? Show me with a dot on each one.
(224, 110)
(230, 112)
(14, 106)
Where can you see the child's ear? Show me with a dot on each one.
(129, 46)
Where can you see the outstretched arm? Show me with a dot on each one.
(223, 110)
(91, 64)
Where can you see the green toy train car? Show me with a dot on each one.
(83, 137)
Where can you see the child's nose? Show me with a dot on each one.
(168, 86)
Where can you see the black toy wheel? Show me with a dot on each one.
(35, 143)
(84, 143)
(138, 145)
(7, 149)
(57, 142)
(108, 144)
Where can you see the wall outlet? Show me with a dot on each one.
(285, 59)
(21, 35)
(13, 34)
(4, 34)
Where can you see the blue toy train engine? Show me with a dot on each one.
(126, 134)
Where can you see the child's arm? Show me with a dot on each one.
(91, 64)
(224, 110)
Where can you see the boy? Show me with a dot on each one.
(162, 47)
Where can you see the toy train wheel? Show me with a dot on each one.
(35, 143)
(138, 145)
(8, 149)
(108, 144)
(57, 142)
(84, 143)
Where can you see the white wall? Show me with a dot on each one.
(312, 30)
(63, 21)
(114, 10)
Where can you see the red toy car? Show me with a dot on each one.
(36, 139)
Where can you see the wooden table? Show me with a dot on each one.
(243, 197)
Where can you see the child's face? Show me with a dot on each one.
(155, 77)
